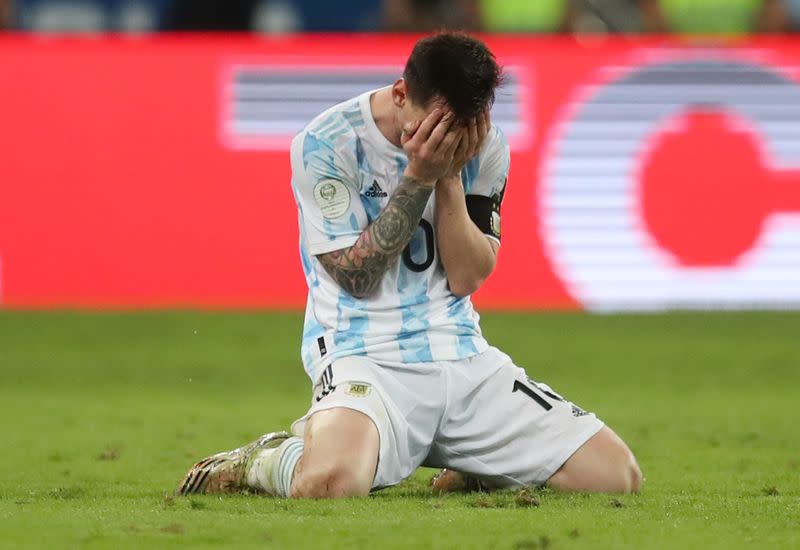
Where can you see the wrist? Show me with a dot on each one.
(450, 185)
(408, 175)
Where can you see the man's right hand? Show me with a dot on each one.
(430, 147)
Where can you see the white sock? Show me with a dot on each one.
(272, 470)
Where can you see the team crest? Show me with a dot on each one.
(358, 389)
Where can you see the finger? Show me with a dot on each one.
(482, 127)
(447, 147)
(409, 130)
(440, 132)
(483, 130)
(431, 121)
(474, 139)
(462, 153)
(450, 152)
(449, 144)
(412, 127)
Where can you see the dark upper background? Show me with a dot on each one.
(523, 16)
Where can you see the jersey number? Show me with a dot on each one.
(427, 228)
(535, 396)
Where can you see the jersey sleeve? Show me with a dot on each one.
(326, 188)
(485, 191)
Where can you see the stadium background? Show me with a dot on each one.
(144, 182)
(647, 172)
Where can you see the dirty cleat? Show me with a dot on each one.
(226, 472)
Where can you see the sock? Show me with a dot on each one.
(272, 469)
(289, 459)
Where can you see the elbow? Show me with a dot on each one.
(467, 282)
(465, 286)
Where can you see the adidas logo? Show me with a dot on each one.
(375, 191)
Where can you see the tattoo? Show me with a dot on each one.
(360, 268)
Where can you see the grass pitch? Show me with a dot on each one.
(103, 413)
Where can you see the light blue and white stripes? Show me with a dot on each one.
(344, 172)
(290, 455)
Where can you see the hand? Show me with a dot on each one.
(474, 137)
(430, 147)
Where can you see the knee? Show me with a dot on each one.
(634, 475)
(628, 474)
(624, 472)
(604, 464)
(330, 481)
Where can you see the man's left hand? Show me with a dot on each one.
(475, 133)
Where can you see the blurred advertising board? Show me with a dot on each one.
(153, 171)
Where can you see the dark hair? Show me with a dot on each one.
(456, 67)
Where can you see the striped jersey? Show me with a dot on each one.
(344, 171)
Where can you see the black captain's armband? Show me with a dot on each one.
(485, 213)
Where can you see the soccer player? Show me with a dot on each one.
(398, 194)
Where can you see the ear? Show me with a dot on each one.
(399, 93)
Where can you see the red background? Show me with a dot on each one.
(116, 188)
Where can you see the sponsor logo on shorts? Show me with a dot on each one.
(577, 411)
(358, 389)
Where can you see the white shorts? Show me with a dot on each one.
(481, 416)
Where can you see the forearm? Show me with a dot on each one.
(466, 253)
(360, 268)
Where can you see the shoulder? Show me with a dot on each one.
(336, 125)
(330, 137)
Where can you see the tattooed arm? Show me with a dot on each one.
(360, 268)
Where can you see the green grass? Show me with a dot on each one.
(103, 413)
